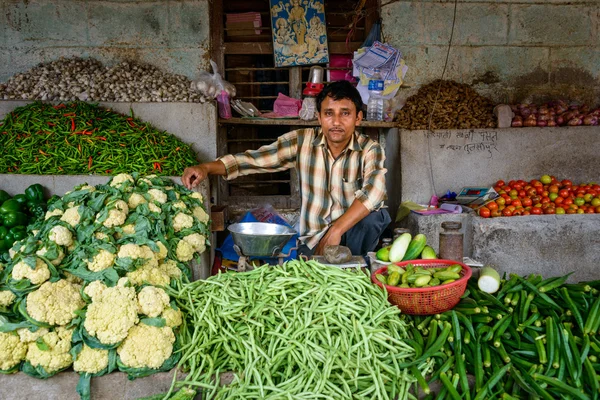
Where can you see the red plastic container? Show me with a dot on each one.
(429, 300)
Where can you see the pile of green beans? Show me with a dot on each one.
(81, 138)
(534, 339)
(302, 330)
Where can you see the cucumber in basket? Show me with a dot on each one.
(419, 277)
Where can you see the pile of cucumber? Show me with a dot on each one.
(406, 248)
(419, 277)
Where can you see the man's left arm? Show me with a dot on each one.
(368, 198)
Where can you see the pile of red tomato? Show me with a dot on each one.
(547, 195)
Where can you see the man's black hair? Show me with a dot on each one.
(340, 90)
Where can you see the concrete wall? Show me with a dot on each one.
(458, 158)
(170, 34)
(512, 50)
(62, 386)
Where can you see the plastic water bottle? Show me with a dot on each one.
(375, 104)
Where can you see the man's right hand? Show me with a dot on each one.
(192, 176)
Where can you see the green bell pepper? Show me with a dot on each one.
(37, 209)
(35, 192)
(18, 232)
(5, 243)
(10, 205)
(4, 196)
(21, 198)
(15, 218)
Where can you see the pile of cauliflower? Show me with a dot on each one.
(88, 287)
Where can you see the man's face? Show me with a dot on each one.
(338, 118)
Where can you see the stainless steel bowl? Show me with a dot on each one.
(260, 239)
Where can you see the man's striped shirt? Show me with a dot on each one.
(328, 186)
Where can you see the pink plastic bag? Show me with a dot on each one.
(285, 106)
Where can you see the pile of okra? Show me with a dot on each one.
(534, 339)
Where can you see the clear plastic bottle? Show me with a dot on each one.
(375, 104)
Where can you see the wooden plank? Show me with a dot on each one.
(217, 48)
(218, 216)
(296, 82)
(267, 47)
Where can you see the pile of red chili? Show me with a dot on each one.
(81, 138)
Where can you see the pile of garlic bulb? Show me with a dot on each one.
(70, 79)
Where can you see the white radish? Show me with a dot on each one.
(489, 280)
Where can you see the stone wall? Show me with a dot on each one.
(451, 159)
(172, 35)
(511, 50)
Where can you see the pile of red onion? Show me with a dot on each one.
(555, 113)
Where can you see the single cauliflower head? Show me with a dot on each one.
(197, 241)
(12, 350)
(50, 214)
(55, 261)
(100, 235)
(135, 200)
(197, 196)
(111, 314)
(90, 188)
(57, 357)
(154, 208)
(170, 268)
(200, 214)
(182, 221)
(27, 336)
(158, 195)
(147, 346)
(152, 301)
(152, 275)
(61, 235)
(71, 216)
(179, 205)
(129, 229)
(55, 303)
(115, 218)
(185, 251)
(120, 179)
(130, 250)
(173, 318)
(94, 289)
(162, 251)
(101, 261)
(40, 274)
(6, 298)
(91, 360)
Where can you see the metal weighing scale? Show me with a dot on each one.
(259, 240)
(266, 240)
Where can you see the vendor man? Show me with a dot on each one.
(341, 174)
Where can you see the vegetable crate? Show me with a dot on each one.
(428, 300)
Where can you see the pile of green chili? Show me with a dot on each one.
(81, 138)
(302, 330)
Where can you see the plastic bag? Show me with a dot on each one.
(211, 85)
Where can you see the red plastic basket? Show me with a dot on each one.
(429, 300)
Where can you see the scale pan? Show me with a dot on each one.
(260, 239)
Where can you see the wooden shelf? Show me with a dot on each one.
(296, 122)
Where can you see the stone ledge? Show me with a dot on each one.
(550, 245)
